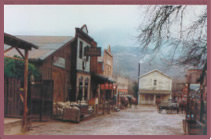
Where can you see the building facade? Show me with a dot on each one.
(108, 62)
(52, 59)
(80, 69)
(62, 60)
(193, 75)
(153, 85)
(122, 84)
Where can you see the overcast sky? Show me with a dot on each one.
(107, 24)
(114, 25)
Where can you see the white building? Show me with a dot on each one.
(122, 84)
(152, 85)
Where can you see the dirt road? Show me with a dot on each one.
(142, 120)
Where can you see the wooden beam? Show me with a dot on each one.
(15, 58)
(20, 52)
(24, 127)
(5, 51)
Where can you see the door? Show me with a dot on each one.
(59, 86)
(41, 100)
(47, 100)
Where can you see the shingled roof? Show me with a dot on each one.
(47, 45)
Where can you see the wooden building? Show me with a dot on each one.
(108, 63)
(195, 122)
(101, 83)
(105, 68)
(53, 61)
(80, 69)
(62, 60)
(193, 75)
(11, 94)
(152, 85)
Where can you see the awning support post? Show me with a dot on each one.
(24, 127)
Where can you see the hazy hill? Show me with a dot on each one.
(126, 61)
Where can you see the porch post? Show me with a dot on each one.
(154, 99)
(24, 126)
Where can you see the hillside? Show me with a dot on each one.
(126, 61)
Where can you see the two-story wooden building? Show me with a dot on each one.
(152, 85)
(61, 59)
(80, 69)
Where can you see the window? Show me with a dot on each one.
(86, 89)
(81, 49)
(80, 94)
(155, 82)
(87, 58)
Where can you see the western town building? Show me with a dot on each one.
(12, 105)
(154, 84)
(105, 68)
(108, 62)
(61, 60)
(193, 75)
(122, 84)
(52, 59)
(100, 84)
(80, 70)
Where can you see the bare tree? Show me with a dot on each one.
(167, 26)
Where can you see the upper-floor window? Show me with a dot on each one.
(81, 49)
(87, 58)
(155, 82)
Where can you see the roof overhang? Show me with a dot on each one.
(100, 79)
(164, 92)
(156, 70)
(18, 43)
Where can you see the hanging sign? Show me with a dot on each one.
(92, 51)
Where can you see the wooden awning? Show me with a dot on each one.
(100, 79)
(17, 43)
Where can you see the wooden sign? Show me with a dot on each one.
(59, 62)
(92, 51)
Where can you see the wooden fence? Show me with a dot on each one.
(40, 99)
(13, 106)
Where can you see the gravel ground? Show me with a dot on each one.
(141, 120)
